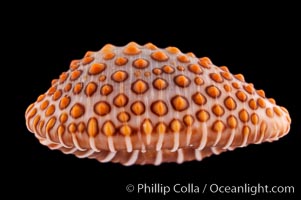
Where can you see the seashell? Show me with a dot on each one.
(146, 105)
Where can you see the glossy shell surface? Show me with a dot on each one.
(145, 105)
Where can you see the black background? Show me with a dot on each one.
(259, 42)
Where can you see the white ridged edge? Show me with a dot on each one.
(111, 144)
(180, 158)
(128, 144)
(92, 144)
(198, 155)
(203, 141)
(86, 154)
(160, 142)
(158, 160)
(188, 136)
(218, 137)
(230, 140)
(62, 142)
(133, 158)
(76, 144)
(176, 142)
(109, 157)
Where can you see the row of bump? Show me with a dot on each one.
(140, 86)
(201, 115)
(159, 107)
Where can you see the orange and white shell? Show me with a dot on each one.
(145, 105)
